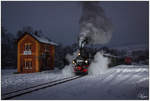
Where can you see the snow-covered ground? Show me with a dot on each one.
(11, 82)
(121, 82)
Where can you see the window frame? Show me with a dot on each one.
(28, 47)
(28, 64)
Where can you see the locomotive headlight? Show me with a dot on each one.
(73, 62)
(78, 53)
(86, 61)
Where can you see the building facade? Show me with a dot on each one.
(34, 54)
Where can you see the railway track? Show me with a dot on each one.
(16, 93)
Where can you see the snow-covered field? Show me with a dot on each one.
(12, 82)
(121, 82)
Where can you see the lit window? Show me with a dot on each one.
(27, 50)
(28, 64)
(27, 46)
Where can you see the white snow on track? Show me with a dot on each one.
(121, 82)
(12, 82)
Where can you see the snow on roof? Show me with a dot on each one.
(44, 40)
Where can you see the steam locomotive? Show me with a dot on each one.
(82, 61)
(81, 64)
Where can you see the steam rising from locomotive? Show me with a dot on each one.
(95, 27)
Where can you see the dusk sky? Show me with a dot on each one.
(60, 20)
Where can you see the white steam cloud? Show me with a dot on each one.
(68, 69)
(95, 27)
(99, 65)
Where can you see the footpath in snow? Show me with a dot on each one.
(121, 82)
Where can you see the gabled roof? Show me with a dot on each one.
(39, 39)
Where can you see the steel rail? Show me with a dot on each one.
(17, 93)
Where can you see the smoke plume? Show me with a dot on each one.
(95, 27)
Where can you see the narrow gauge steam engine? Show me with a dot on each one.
(81, 62)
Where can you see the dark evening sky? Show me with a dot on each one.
(60, 20)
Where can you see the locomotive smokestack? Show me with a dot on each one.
(95, 27)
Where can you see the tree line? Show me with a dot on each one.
(9, 49)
